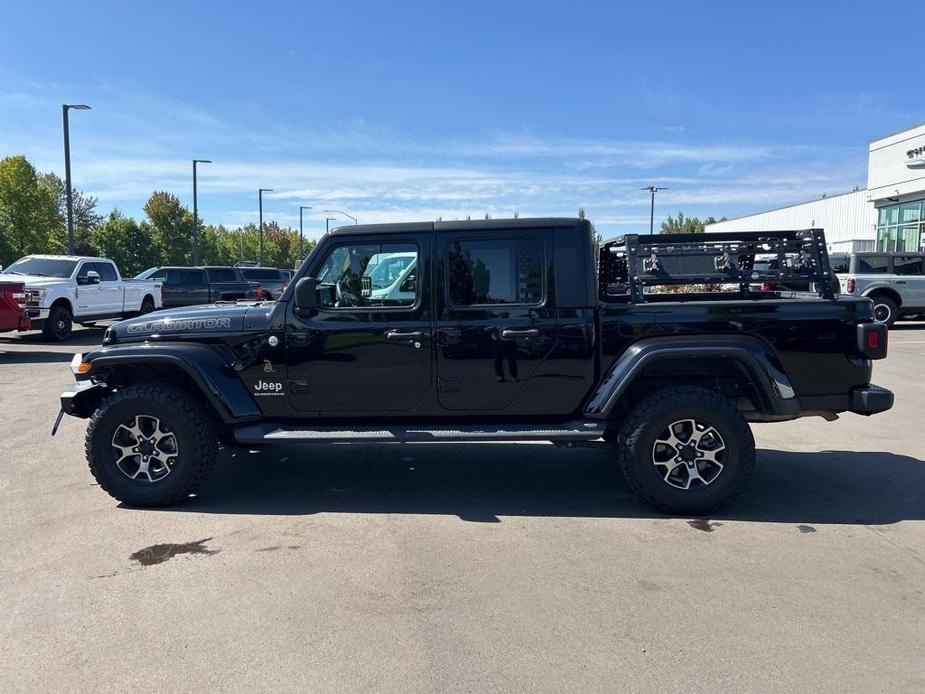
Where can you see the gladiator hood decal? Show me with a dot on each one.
(195, 320)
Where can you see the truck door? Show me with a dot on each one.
(112, 289)
(367, 349)
(910, 280)
(496, 317)
(90, 298)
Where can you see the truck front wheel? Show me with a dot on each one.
(58, 325)
(686, 450)
(151, 445)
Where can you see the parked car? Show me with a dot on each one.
(895, 282)
(13, 314)
(272, 279)
(515, 335)
(62, 290)
(191, 286)
(771, 264)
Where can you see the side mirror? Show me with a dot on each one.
(92, 277)
(306, 294)
(409, 285)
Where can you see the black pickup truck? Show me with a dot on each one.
(192, 286)
(491, 330)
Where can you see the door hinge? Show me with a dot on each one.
(303, 386)
(449, 385)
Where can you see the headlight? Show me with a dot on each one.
(35, 297)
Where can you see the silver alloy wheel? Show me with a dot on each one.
(689, 454)
(145, 448)
(882, 313)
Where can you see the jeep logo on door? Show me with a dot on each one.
(262, 388)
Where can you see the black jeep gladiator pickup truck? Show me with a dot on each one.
(495, 330)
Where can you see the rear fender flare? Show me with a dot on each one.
(755, 357)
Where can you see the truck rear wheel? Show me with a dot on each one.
(151, 445)
(58, 325)
(885, 310)
(686, 450)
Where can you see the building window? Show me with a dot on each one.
(899, 227)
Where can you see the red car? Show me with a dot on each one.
(13, 307)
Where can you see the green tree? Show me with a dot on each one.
(86, 218)
(130, 244)
(29, 219)
(172, 226)
(682, 225)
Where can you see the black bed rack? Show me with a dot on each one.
(630, 263)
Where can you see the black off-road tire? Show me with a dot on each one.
(59, 324)
(651, 418)
(887, 309)
(185, 415)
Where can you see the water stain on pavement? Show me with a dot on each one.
(704, 525)
(158, 554)
(806, 529)
(268, 549)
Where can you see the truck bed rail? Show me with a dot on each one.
(631, 263)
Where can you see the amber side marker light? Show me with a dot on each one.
(79, 366)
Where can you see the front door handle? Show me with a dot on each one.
(511, 334)
(393, 335)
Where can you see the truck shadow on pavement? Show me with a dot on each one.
(9, 354)
(484, 482)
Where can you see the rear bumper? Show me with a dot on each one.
(15, 323)
(871, 400)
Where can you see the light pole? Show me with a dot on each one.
(301, 207)
(71, 242)
(341, 213)
(653, 190)
(196, 212)
(327, 223)
(260, 192)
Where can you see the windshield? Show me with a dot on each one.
(147, 273)
(43, 267)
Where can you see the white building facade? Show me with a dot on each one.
(888, 216)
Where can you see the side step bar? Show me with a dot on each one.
(580, 430)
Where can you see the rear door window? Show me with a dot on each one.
(485, 272)
(192, 277)
(908, 265)
(222, 274)
(839, 263)
(261, 274)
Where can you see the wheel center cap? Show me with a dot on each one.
(145, 447)
(687, 453)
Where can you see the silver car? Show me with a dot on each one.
(895, 282)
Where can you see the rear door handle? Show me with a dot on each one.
(510, 333)
(393, 335)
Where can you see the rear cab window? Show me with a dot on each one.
(222, 274)
(871, 264)
(261, 274)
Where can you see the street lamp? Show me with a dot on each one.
(196, 212)
(342, 213)
(301, 207)
(260, 192)
(327, 223)
(71, 243)
(653, 190)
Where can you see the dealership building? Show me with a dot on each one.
(888, 216)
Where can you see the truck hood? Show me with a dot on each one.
(196, 321)
(37, 281)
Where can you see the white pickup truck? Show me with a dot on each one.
(62, 290)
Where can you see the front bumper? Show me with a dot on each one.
(871, 399)
(36, 313)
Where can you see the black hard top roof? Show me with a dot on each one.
(461, 225)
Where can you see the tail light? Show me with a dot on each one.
(13, 299)
(767, 287)
(258, 290)
(872, 340)
(849, 285)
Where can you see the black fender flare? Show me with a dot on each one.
(756, 357)
(207, 367)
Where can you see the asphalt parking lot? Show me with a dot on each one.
(464, 567)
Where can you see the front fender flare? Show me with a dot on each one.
(205, 365)
(754, 356)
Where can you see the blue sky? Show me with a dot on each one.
(413, 110)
